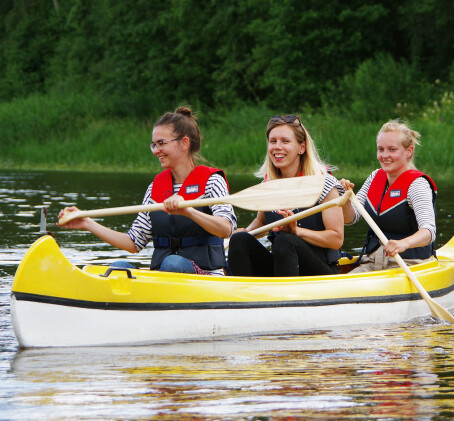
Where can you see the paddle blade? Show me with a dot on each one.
(283, 193)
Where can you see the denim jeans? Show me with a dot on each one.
(123, 264)
(172, 263)
(175, 263)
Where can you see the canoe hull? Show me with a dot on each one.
(74, 326)
(54, 303)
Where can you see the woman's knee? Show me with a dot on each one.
(284, 242)
(123, 264)
(240, 239)
(175, 263)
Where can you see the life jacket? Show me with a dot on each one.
(392, 213)
(312, 222)
(178, 234)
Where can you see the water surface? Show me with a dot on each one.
(398, 371)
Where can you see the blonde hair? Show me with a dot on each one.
(408, 137)
(310, 162)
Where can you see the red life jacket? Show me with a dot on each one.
(177, 234)
(192, 188)
(390, 210)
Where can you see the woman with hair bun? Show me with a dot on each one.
(188, 240)
(400, 199)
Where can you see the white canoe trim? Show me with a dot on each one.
(78, 326)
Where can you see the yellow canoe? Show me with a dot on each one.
(54, 303)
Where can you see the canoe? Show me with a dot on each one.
(55, 303)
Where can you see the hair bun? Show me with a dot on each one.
(186, 111)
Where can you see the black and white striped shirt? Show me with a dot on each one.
(140, 231)
(331, 182)
(419, 199)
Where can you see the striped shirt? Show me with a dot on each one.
(141, 229)
(419, 199)
(331, 182)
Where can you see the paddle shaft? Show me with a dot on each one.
(339, 201)
(125, 210)
(436, 309)
(283, 193)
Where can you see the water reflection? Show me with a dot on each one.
(385, 371)
(403, 371)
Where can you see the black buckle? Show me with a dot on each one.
(175, 243)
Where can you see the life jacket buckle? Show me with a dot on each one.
(175, 243)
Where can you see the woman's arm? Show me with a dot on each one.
(420, 238)
(258, 221)
(351, 215)
(333, 235)
(115, 238)
(347, 210)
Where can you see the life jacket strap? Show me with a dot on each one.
(176, 243)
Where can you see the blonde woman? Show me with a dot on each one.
(400, 199)
(307, 247)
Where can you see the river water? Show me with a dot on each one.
(397, 371)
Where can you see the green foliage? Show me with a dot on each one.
(38, 117)
(441, 111)
(143, 56)
(381, 89)
(236, 137)
(82, 82)
(300, 46)
(74, 133)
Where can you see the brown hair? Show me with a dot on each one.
(184, 123)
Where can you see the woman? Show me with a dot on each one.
(185, 240)
(400, 199)
(307, 247)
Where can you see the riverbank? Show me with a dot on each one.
(76, 133)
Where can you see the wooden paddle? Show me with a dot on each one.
(436, 309)
(284, 193)
(340, 201)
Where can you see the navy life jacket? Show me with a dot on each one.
(312, 222)
(178, 234)
(392, 213)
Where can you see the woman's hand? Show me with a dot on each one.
(115, 238)
(396, 246)
(290, 227)
(346, 184)
(171, 205)
(239, 230)
(77, 224)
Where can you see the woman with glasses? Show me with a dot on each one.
(400, 199)
(309, 246)
(188, 240)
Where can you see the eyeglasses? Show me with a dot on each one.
(161, 143)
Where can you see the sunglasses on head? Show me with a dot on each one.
(285, 118)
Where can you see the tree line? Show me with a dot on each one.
(369, 58)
